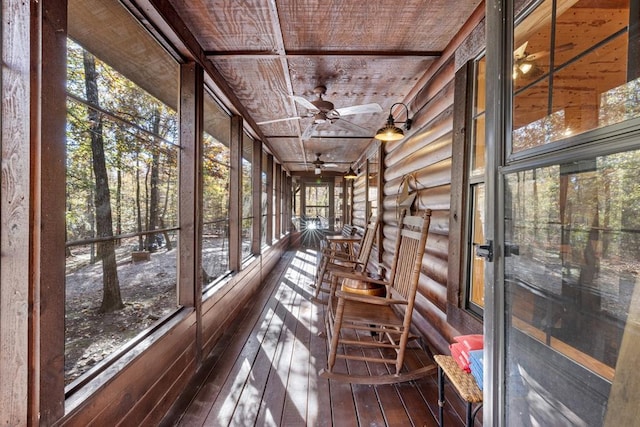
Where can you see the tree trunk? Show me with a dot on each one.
(111, 299)
(167, 242)
(119, 197)
(154, 197)
(138, 207)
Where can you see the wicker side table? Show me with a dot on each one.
(462, 382)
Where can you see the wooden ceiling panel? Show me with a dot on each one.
(230, 25)
(260, 84)
(342, 153)
(353, 80)
(410, 25)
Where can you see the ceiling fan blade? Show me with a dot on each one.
(308, 131)
(278, 120)
(305, 103)
(519, 52)
(353, 128)
(359, 109)
(330, 165)
(537, 55)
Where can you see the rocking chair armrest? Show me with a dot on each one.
(344, 263)
(340, 256)
(369, 299)
(360, 276)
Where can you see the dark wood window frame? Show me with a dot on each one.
(458, 316)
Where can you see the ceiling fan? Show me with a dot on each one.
(324, 111)
(524, 63)
(318, 164)
(527, 64)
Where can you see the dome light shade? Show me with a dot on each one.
(391, 132)
(350, 174)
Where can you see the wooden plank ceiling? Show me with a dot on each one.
(362, 52)
(269, 51)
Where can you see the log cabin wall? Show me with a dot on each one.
(359, 201)
(426, 153)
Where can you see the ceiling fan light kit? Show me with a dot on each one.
(390, 132)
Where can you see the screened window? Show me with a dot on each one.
(339, 202)
(247, 195)
(121, 199)
(317, 206)
(373, 166)
(264, 200)
(215, 191)
(571, 286)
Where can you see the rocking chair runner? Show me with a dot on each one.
(333, 260)
(376, 316)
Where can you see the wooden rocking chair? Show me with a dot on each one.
(375, 321)
(336, 260)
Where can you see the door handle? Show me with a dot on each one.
(511, 249)
(485, 251)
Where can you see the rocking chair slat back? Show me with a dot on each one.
(367, 241)
(410, 246)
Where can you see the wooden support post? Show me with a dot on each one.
(189, 280)
(256, 205)
(269, 225)
(279, 200)
(43, 279)
(235, 196)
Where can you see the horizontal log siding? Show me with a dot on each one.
(359, 204)
(426, 154)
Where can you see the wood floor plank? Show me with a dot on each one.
(298, 380)
(276, 394)
(240, 370)
(226, 351)
(391, 405)
(264, 370)
(246, 411)
(343, 407)
(365, 397)
(319, 394)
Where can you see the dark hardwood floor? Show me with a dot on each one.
(264, 372)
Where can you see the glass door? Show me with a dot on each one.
(565, 304)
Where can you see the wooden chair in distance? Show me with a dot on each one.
(373, 320)
(335, 260)
(334, 243)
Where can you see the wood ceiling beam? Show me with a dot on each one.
(280, 51)
(269, 54)
(323, 137)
